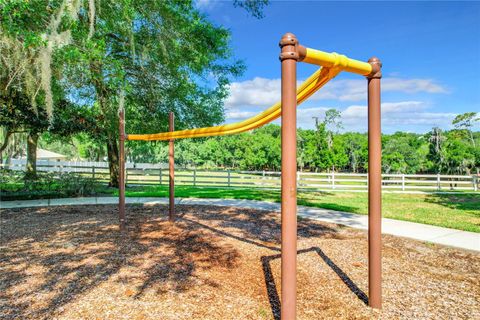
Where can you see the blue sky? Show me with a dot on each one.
(430, 53)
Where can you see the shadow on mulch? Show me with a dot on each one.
(78, 248)
(304, 230)
(273, 295)
(59, 244)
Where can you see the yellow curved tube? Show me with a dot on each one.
(306, 89)
(335, 60)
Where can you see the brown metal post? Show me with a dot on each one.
(171, 167)
(374, 186)
(289, 58)
(121, 177)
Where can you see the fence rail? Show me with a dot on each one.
(154, 174)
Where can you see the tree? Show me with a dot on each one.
(18, 116)
(356, 149)
(436, 152)
(317, 151)
(465, 122)
(450, 152)
(403, 153)
(333, 124)
(459, 157)
(31, 33)
(156, 54)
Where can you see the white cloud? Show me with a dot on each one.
(265, 92)
(413, 85)
(404, 115)
(396, 115)
(255, 92)
(237, 115)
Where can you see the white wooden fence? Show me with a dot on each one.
(155, 174)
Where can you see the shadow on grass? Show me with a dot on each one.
(272, 291)
(330, 206)
(233, 193)
(460, 201)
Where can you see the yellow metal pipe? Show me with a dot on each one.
(334, 60)
(309, 87)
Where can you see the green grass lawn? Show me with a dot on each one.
(459, 211)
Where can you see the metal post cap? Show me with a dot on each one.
(288, 39)
(376, 68)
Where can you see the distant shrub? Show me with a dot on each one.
(16, 185)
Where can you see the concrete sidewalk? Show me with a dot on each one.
(422, 232)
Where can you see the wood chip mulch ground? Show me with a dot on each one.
(215, 263)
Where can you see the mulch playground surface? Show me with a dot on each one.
(215, 263)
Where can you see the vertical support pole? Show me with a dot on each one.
(228, 178)
(403, 182)
(171, 167)
(374, 186)
(289, 58)
(121, 177)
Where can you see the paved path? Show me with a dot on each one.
(422, 232)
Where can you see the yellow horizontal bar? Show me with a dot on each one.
(309, 87)
(335, 60)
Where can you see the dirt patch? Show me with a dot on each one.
(214, 263)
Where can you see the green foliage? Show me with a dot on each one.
(403, 153)
(16, 185)
(155, 56)
(254, 7)
(434, 152)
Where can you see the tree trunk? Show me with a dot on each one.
(103, 93)
(113, 161)
(472, 138)
(4, 144)
(31, 166)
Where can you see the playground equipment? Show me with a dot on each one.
(331, 65)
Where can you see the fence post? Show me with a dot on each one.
(403, 182)
(474, 180)
(333, 180)
(228, 178)
(194, 177)
(438, 181)
(160, 175)
(93, 172)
